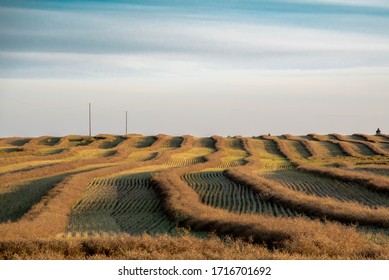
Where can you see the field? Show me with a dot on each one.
(170, 197)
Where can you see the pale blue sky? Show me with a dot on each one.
(194, 67)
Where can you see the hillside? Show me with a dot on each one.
(145, 197)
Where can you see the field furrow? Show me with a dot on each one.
(326, 187)
(125, 203)
(235, 153)
(218, 191)
(275, 190)
(17, 199)
(142, 141)
(359, 146)
(297, 148)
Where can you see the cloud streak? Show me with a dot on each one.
(137, 41)
(219, 65)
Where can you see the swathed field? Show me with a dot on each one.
(185, 197)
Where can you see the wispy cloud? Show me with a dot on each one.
(138, 43)
(225, 61)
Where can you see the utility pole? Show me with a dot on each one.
(90, 121)
(126, 122)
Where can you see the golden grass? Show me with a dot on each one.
(182, 203)
(170, 159)
(162, 247)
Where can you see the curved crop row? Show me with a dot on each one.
(118, 204)
(138, 141)
(366, 147)
(375, 183)
(141, 156)
(312, 205)
(204, 143)
(18, 199)
(325, 187)
(345, 147)
(218, 191)
(325, 148)
(271, 158)
(49, 217)
(183, 203)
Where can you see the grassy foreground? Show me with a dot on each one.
(164, 197)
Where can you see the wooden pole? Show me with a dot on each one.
(126, 122)
(90, 121)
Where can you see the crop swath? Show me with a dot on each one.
(361, 149)
(49, 141)
(10, 150)
(141, 156)
(328, 149)
(172, 143)
(201, 148)
(125, 203)
(204, 143)
(20, 142)
(270, 157)
(74, 141)
(185, 159)
(218, 191)
(326, 187)
(25, 166)
(15, 202)
(374, 170)
(112, 143)
(236, 153)
(297, 148)
(142, 141)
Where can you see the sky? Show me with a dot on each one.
(195, 67)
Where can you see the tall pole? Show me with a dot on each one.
(126, 122)
(90, 121)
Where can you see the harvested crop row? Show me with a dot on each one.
(17, 200)
(182, 203)
(139, 141)
(218, 191)
(141, 156)
(312, 205)
(325, 148)
(14, 141)
(375, 183)
(364, 147)
(121, 154)
(325, 187)
(299, 148)
(347, 148)
(192, 156)
(55, 207)
(118, 204)
(235, 154)
(271, 158)
(206, 142)
(373, 169)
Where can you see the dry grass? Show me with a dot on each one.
(54, 209)
(170, 159)
(161, 247)
(347, 212)
(183, 203)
